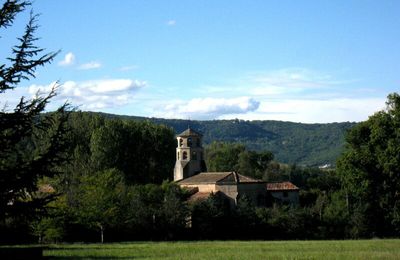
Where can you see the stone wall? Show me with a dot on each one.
(291, 196)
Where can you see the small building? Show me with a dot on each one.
(190, 172)
(230, 185)
(284, 192)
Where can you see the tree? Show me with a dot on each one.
(222, 156)
(99, 205)
(370, 171)
(32, 144)
(143, 151)
(143, 210)
(174, 211)
(254, 164)
(210, 218)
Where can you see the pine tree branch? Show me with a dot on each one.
(9, 10)
(24, 62)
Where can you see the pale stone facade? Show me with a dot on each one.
(230, 185)
(189, 155)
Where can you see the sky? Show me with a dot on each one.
(300, 61)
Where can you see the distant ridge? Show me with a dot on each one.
(292, 143)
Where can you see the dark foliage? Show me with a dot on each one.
(370, 172)
(31, 145)
(291, 143)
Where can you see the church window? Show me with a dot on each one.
(184, 155)
(178, 156)
(180, 142)
(189, 142)
(194, 155)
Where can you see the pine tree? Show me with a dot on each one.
(32, 143)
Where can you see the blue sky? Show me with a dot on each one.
(301, 61)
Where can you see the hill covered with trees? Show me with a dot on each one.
(291, 143)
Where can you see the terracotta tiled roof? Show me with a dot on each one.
(277, 186)
(243, 178)
(217, 177)
(205, 177)
(199, 196)
(189, 132)
(191, 190)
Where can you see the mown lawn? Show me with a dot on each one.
(347, 249)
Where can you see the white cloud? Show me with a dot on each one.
(90, 65)
(287, 81)
(171, 22)
(95, 94)
(209, 108)
(315, 111)
(282, 83)
(69, 59)
(293, 77)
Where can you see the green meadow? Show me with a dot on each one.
(344, 249)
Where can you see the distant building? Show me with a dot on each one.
(284, 192)
(190, 173)
(230, 185)
(325, 166)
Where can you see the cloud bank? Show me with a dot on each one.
(210, 108)
(315, 110)
(291, 94)
(95, 94)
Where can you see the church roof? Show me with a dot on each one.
(217, 177)
(199, 196)
(281, 186)
(243, 178)
(190, 132)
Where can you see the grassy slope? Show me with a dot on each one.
(347, 249)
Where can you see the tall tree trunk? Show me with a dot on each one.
(102, 233)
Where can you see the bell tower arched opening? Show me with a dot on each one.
(189, 155)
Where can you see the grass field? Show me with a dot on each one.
(348, 249)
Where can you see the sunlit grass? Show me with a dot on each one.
(347, 249)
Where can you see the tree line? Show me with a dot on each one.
(310, 145)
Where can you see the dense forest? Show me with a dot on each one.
(116, 185)
(291, 143)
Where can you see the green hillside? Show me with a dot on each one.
(293, 143)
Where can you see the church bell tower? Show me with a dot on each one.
(189, 155)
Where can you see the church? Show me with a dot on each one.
(190, 172)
